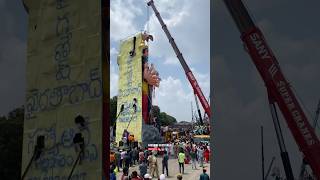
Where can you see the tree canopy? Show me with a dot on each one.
(11, 136)
(166, 119)
(113, 110)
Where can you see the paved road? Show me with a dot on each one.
(189, 173)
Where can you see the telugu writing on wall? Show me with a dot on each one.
(63, 81)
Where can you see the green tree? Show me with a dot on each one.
(166, 119)
(113, 109)
(11, 136)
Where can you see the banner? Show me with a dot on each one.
(130, 88)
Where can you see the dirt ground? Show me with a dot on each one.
(189, 173)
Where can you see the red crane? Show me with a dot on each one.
(279, 90)
(186, 68)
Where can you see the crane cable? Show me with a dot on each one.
(148, 19)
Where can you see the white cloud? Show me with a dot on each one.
(171, 61)
(172, 86)
(188, 23)
(173, 98)
(122, 15)
(113, 51)
(114, 78)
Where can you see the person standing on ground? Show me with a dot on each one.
(125, 174)
(122, 154)
(181, 158)
(200, 156)
(146, 153)
(112, 174)
(154, 166)
(143, 168)
(193, 159)
(196, 150)
(165, 163)
(125, 136)
(130, 153)
(126, 160)
(134, 155)
(171, 149)
(132, 141)
(117, 155)
(141, 156)
(176, 148)
(206, 155)
(112, 158)
(149, 160)
(188, 150)
(204, 175)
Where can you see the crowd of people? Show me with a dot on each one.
(200, 130)
(183, 150)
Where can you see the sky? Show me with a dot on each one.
(240, 103)
(13, 35)
(189, 23)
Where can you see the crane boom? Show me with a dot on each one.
(314, 125)
(185, 66)
(269, 69)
